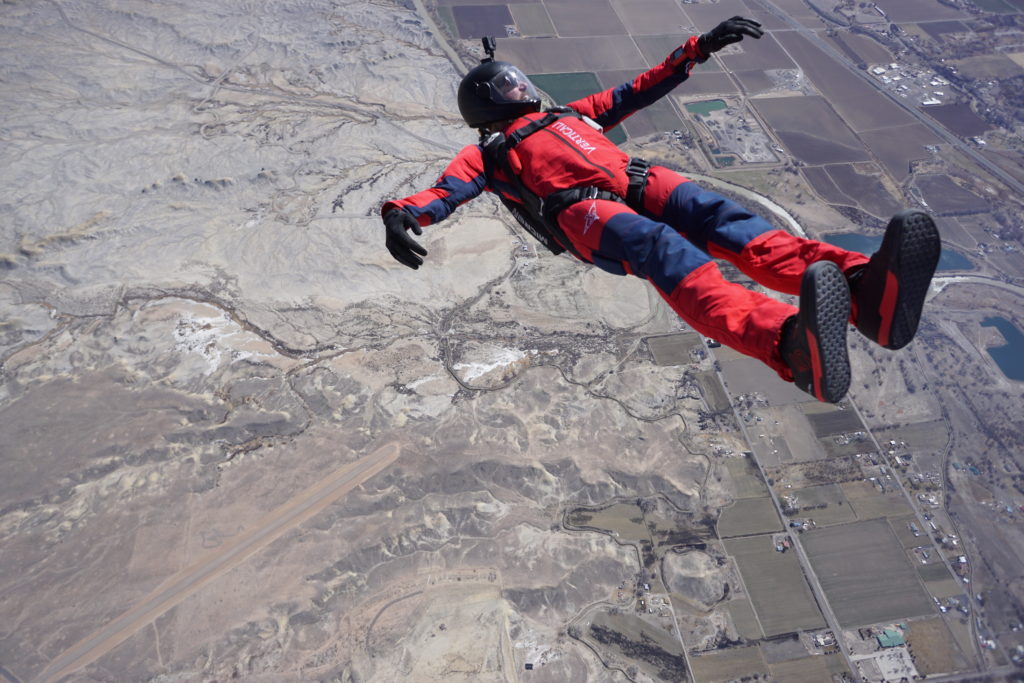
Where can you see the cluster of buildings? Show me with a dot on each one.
(954, 603)
(890, 659)
(929, 88)
(782, 543)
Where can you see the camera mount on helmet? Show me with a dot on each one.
(490, 45)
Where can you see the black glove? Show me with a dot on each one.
(728, 32)
(404, 248)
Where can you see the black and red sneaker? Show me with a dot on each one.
(813, 342)
(889, 292)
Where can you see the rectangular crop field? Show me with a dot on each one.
(935, 651)
(758, 54)
(868, 502)
(746, 375)
(706, 15)
(584, 18)
(810, 129)
(897, 146)
(704, 83)
(776, 584)
(920, 436)
(819, 179)
(816, 668)
(835, 422)
(542, 55)
(732, 664)
(744, 619)
(901, 527)
(865, 573)
(798, 10)
(871, 194)
(756, 82)
(938, 580)
(746, 478)
(532, 20)
(649, 17)
(958, 118)
(748, 516)
(673, 349)
(867, 49)
(476, 21)
(827, 471)
(714, 392)
(905, 11)
(944, 195)
(824, 504)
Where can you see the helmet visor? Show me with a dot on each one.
(511, 85)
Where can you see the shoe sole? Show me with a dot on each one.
(915, 248)
(825, 311)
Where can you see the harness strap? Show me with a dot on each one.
(560, 200)
(550, 116)
(540, 215)
(529, 213)
(638, 170)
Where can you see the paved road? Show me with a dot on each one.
(174, 590)
(939, 283)
(805, 562)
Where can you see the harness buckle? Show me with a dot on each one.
(638, 168)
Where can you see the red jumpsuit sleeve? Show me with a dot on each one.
(610, 107)
(462, 180)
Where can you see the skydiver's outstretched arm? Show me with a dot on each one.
(610, 107)
(462, 180)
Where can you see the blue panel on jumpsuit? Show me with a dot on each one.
(703, 216)
(459, 191)
(653, 250)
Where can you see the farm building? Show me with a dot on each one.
(890, 638)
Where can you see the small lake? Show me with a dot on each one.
(1010, 356)
(706, 107)
(949, 260)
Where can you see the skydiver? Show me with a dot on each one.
(575, 190)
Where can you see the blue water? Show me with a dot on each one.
(1010, 356)
(949, 260)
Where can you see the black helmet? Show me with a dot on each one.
(496, 91)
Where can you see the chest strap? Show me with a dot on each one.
(529, 210)
(638, 170)
(550, 116)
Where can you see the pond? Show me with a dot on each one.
(865, 244)
(1010, 356)
(706, 107)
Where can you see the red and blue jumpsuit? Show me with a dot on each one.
(672, 242)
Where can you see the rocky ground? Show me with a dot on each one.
(237, 438)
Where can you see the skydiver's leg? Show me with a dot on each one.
(620, 241)
(726, 230)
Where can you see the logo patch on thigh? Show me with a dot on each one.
(590, 218)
